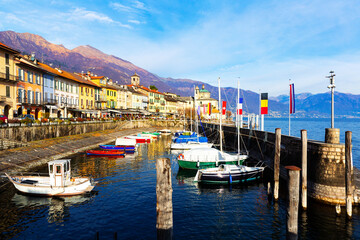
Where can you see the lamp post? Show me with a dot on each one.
(332, 87)
(64, 101)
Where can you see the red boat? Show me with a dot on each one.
(105, 152)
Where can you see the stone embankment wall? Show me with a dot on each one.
(326, 161)
(18, 135)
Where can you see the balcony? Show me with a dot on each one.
(2, 99)
(8, 77)
(145, 101)
(49, 101)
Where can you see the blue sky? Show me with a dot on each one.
(265, 43)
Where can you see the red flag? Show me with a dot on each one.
(223, 107)
(209, 109)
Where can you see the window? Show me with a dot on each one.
(7, 72)
(30, 77)
(7, 58)
(58, 169)
(7, 91)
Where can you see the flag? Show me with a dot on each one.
(264, 103)
(223, 107)
(239, 108)
(292, 98)
(198, 111)
(204, 110)
(209, 110)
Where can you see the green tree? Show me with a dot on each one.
(152, 87)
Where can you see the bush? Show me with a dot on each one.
(26, 120)
(13, 121)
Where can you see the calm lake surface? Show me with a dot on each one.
(124, 201)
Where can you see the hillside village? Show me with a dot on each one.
(31, 88)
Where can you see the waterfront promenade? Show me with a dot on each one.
(39, 152)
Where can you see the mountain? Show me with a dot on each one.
(87, 58)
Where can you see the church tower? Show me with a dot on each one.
(135, 79)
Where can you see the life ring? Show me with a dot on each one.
(181, 156)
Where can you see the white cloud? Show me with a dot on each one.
(81, 13)
(134, 21)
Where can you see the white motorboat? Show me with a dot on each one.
(228, 174)
(207, 158)
(58, 183)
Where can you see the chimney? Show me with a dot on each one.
(32, 56)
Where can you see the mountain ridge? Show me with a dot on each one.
(87, 58)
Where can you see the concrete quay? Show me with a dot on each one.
(40, 152)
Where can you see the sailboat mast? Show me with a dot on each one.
(237, 116)
(220, 115)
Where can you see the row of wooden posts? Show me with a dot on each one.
(294, 181)
(164, 208)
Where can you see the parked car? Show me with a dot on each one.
(3, 118)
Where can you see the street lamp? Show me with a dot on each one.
(64, 101)
(332, 87)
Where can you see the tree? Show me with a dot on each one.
(152, 87)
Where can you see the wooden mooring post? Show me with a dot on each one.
(304, 169)
(348, 174)
(293, 206)
(277, 162)
(164, 208)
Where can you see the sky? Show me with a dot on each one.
(260, 43)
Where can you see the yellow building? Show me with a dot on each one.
(87, 91)
(8, 80)
(111, 96)
(100, 93)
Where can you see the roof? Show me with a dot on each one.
(65, 74)
(9, 49)
(203, 90)
(146, 89)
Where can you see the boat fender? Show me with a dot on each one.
(198, 164)
(181, 156)
(230, 178)
(72, 179)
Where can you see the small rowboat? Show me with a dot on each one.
(127, 149)
(139, 139)
(105, 152)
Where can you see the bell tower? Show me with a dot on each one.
(135, 79)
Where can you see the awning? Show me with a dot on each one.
(51, 106)
(115, 111)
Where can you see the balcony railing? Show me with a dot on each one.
(49, 101)
(10, 77)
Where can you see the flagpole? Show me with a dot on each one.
(289, 103)
(220, 114)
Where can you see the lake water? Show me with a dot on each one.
(124, 203)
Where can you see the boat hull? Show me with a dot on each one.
(201, 165)
(105, 153)
(233, 178)
(78, 187)
(127, 149)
